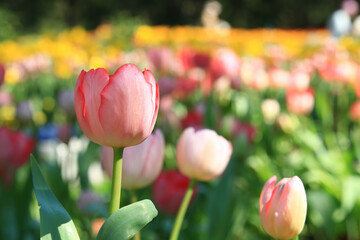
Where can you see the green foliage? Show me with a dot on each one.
(55, 222)
(128, 220)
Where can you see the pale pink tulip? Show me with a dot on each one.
(283, 207)
(117, 110)
(202, 154)
(300, 102)
(225, 62)
(299, 80)
(279, 78)
(141, 163)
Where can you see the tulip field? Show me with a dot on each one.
(229, 134)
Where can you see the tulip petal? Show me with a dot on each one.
(126, 98)
(87, 97)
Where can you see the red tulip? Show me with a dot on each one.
(193, 119)
(15, 149)
(202, 154)
(283, 207)
(117, 110)
(169, 189)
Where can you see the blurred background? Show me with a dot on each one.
(279, 79)
(21, 16)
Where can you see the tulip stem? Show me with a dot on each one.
(116, 181)
(134, 199)
(181, 213)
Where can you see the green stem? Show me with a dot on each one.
(181, 213)
(133, 197)
(116, 181)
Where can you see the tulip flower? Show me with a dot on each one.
(270, 109)
(193, 119)
(2, 74)
(300, 102)
(279, 78)
(117, 110)
(225, 62)
(202, 154)
(15, 149)
(355, 111)
(169, 189)
(283, 207)
(141, 163)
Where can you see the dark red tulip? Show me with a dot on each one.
(15, 149)
(169, 189)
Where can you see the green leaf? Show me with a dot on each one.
(128, 220)
(55, 222)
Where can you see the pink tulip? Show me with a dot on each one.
(225, 62)
(299, 80)
(117, 110)
(162, 59)
(279, 78)
(202, 154)
(141, 163)
(283, 207)
(300, 102)
(355, 111)
(15, 149)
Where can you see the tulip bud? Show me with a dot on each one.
(202, 154)
(279, 78)
(270, 109)
(169, 189)
(141, 163)
(15, 149)
(300, 102)
(117, 110)
(283, 207)
(355, 111)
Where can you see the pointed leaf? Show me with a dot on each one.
(55, 222)
(128, 220)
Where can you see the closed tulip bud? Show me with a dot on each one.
(117, 110)
(141, 163)
(15, 149)
(202, 155)
(270, 109)
(283, 207)
(300, 102)
(169, 189)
